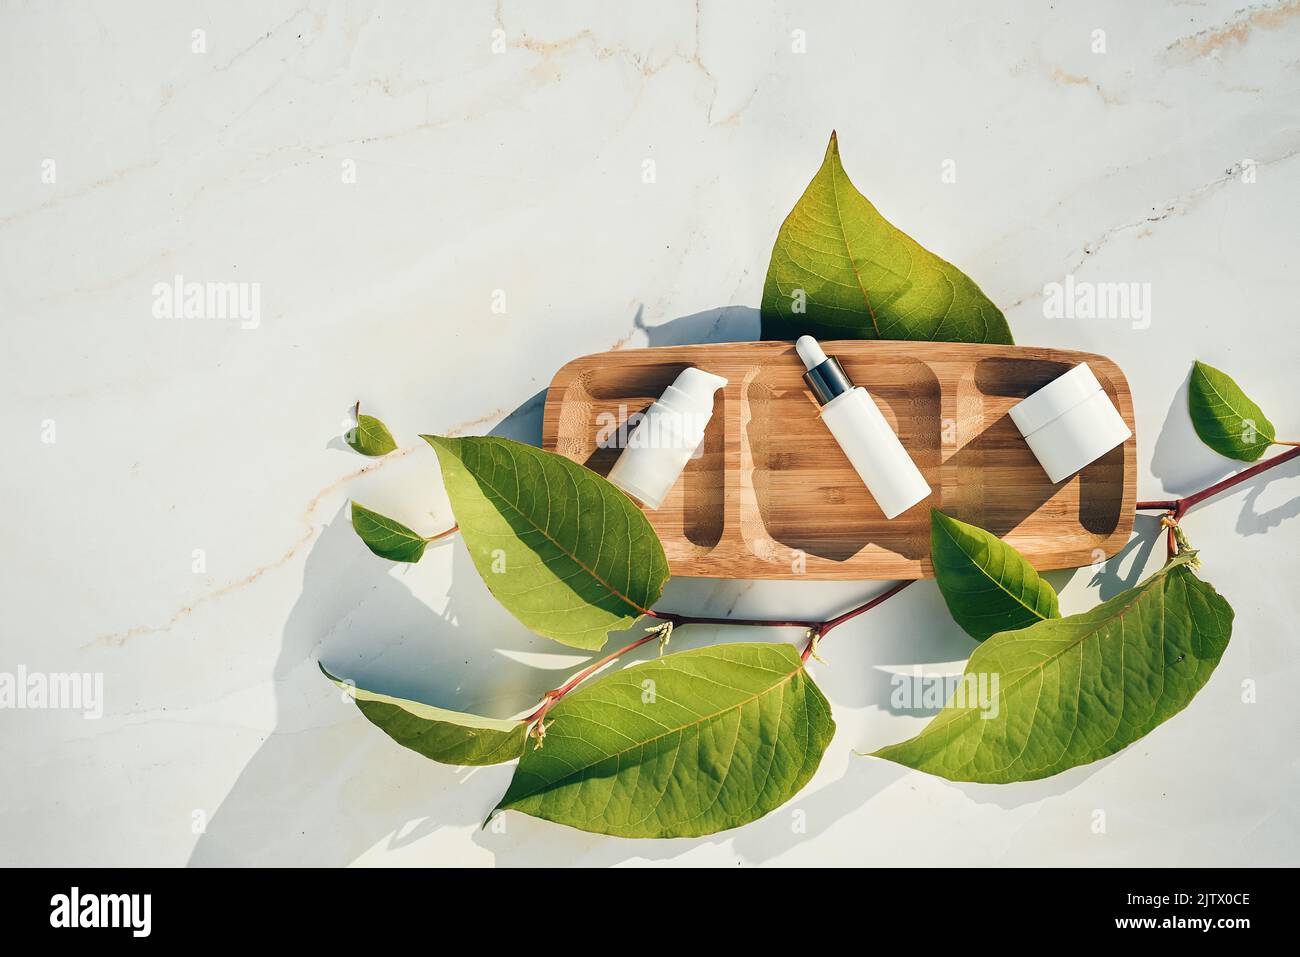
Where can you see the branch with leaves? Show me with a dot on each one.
(1227, 421)
(694, 742)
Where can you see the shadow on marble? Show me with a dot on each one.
(528, 842)
(723, 324)
(284, 808)
(1012, 796)
(1184, 464)
(1113, 578)
(1253, 522)
(364, 622)
(1180, 460)
(1180, 453)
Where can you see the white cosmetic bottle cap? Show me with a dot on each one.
(1069, 423)
(863, 432)
(667, 437)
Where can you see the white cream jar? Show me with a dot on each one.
(1069, 423)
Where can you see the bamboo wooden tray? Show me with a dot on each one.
(773, 496)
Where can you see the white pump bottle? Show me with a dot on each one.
(669, 435)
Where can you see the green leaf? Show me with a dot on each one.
(840, 270)
(1073, 690)
(988, 585)
(688, 744)
(387, 538)
(563, 550)
(1225, 419)
(449, 737)
(370, 436)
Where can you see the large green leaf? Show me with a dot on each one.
(988, 585)
(563, 550)
(1224, 417)
(449, 737)
(1073, 690)
(387, 538)
(840, 270)
(688, 744)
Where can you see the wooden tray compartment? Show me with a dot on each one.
(773, 496)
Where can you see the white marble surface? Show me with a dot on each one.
(522, 171)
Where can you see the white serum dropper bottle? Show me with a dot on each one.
(862, 432)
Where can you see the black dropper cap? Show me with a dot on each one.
(827, 380)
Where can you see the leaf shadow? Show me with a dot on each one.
(869, 655)
(1180, 460)
(1111, 578)
(1012, 796)
(1253, 522)
(1180, 453)
(325, 786)
(528, 842)
(809, 815)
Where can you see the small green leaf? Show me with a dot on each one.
(1225, 419)
(988, 585)
(1073, 690)
(370, 436)
(563, 550)
(685, 745)
(387, 538)
(449, 737)
(840, 270)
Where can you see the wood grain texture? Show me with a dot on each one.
(772, 496)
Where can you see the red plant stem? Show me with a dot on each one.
(1197, 497)
(678, 619)
(583, 675)
(1181, 505)
(820, 632)
(1162, 505)
(866, 606)
(1175, 508)
(818, 629)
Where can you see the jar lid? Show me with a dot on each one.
(1055, 399)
